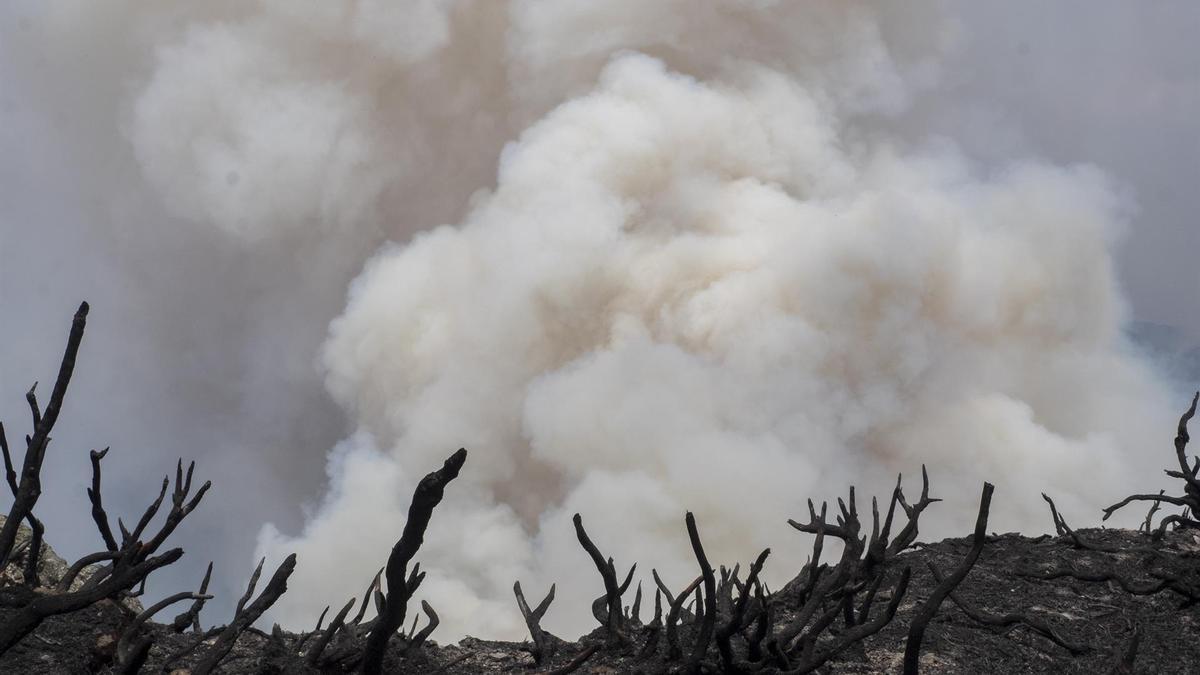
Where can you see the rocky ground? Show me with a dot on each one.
(1097, 619)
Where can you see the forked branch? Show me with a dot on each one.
(543, 643)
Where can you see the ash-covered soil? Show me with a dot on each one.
(1098, 618)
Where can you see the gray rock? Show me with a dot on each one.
(51, 566)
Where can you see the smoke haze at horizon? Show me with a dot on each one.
(738, 218)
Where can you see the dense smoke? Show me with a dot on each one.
(639, 258)
(681, 293)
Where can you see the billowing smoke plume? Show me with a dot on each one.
(702, 295)
(670, 256)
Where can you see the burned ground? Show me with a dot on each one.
(1099, 616)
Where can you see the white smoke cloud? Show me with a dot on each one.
(695, 260)
(683, 292)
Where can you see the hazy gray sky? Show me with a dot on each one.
(1115, 84)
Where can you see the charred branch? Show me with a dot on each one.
(147, 516)
(245, 615)
(32, 547)
(98, 514)
(72, 573)
(129, 564)
(762, 625)
(132, 562)
(650, 647)
(315, 631)
(916, 631)
(805, 647)
(1147, 525)
(662, 587)
(124, 575)
(542, 642)
(1190, 517)
(192, 616)
(181, 506)
(133, 647)
(908, 534)
(710, 594)
(325, 636)
(819, 526)
(823, 584)
(10, 474)
(1188, 473)
(420, 638)
(613, 620)
(1179, 521)
(29, 489)
(730, 581)
(815, 568)
(1061, 527)
(738, 611)
(815, 658)
(673, 650)
(119, 576)
(427, 496)
(31, 399)
(33, 555)
(362, 606)
(1158, 498)
(1131, 586)
(600, 604)
(576, 662)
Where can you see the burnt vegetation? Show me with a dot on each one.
(869, 598)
